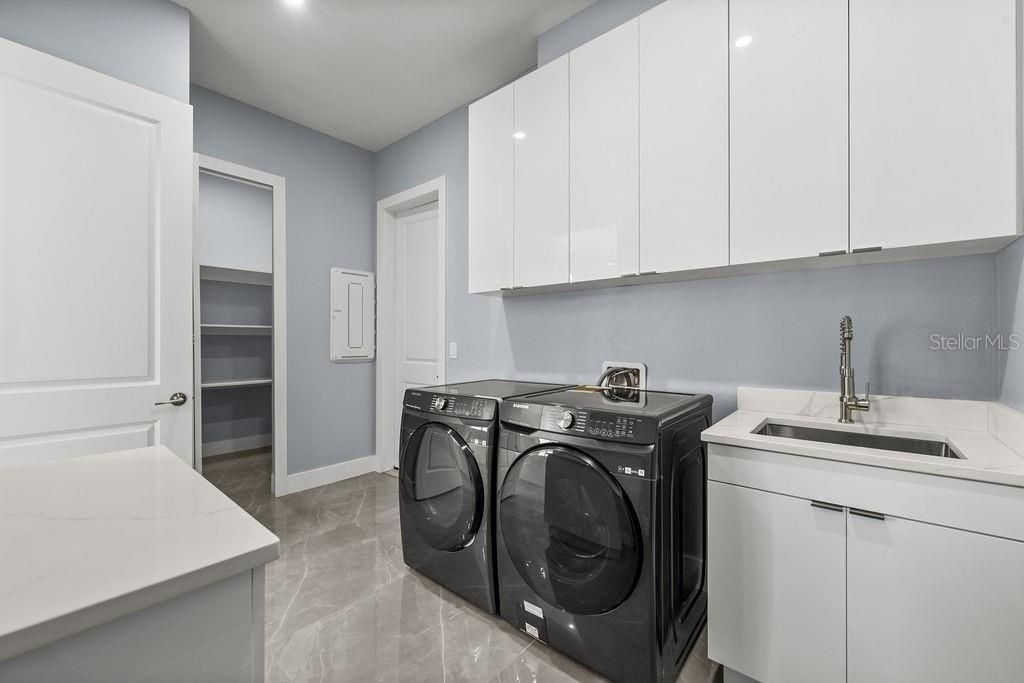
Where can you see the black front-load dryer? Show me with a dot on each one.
(446, 480)
(601, 524)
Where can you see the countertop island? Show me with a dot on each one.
(128, 566)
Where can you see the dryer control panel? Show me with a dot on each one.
(596, 424)
(471, 407)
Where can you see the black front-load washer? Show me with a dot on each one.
(446, 480)
(601, 526)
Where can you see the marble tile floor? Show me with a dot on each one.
(342, 606)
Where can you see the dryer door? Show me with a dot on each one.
(440, 488)
(569, 529)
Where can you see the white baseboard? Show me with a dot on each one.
(242, 443)
(321, 476)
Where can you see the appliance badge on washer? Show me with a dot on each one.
(631, 471)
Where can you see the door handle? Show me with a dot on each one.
(867, 513)
(177, 399)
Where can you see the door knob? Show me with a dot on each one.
(177, 399)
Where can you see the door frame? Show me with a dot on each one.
(388, 209)
(279, 363)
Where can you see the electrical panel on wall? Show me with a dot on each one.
(353, 315)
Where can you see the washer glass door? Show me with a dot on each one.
(440, 488)
(569, 529)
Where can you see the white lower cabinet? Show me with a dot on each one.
(928, 604)
(805, 590)
(776, 574)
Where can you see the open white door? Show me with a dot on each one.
(95, 262)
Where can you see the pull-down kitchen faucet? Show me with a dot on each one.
(848, 401)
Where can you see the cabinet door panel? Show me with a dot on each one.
(776, 586)
(684, 136)
(932, 121)
(933, 604)
(604, 156)
(542, 175)
(789, 126)
(490, 192)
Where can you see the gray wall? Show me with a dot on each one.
(330, 222)
(145, 42)
(709, 335)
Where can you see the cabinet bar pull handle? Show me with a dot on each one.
(826, 506)
(868, 513)
(837, 252)
(863, 250)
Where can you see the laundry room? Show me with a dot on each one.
(573, 340)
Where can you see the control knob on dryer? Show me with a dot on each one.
(567, 420)
(441, 402)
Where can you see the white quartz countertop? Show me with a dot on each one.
(87, 540)
(987, 435)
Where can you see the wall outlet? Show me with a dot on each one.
(453, 350)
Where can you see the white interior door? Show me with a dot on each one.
(419, 280)
(95, 262)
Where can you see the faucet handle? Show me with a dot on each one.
(867, 391)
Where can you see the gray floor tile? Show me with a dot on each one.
(342, 605)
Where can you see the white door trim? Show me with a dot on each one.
(279, 372)
(387, 213)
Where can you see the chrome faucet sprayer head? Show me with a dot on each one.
(846, 328)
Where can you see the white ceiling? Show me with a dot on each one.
(366, 71)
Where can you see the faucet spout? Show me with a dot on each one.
(848, 399)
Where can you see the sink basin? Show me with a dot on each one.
(939, 449)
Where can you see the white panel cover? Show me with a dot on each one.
(352, 315)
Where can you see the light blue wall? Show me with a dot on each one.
(586, 25)
(145, 42)
(708, 335)
(330, 222)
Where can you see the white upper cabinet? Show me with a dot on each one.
(604, 156)
(490, 192)
(684, 136)
(789, 128)
(542, 175)
(933, 121)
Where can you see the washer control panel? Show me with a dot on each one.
(471, 407)
(581, 421)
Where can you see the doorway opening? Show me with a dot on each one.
(411, 305)
(240, 327)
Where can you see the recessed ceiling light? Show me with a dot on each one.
(294, 4)
(744, 41)
(519, 135)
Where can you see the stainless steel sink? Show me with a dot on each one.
(939, 449)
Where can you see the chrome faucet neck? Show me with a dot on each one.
(848, 400)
